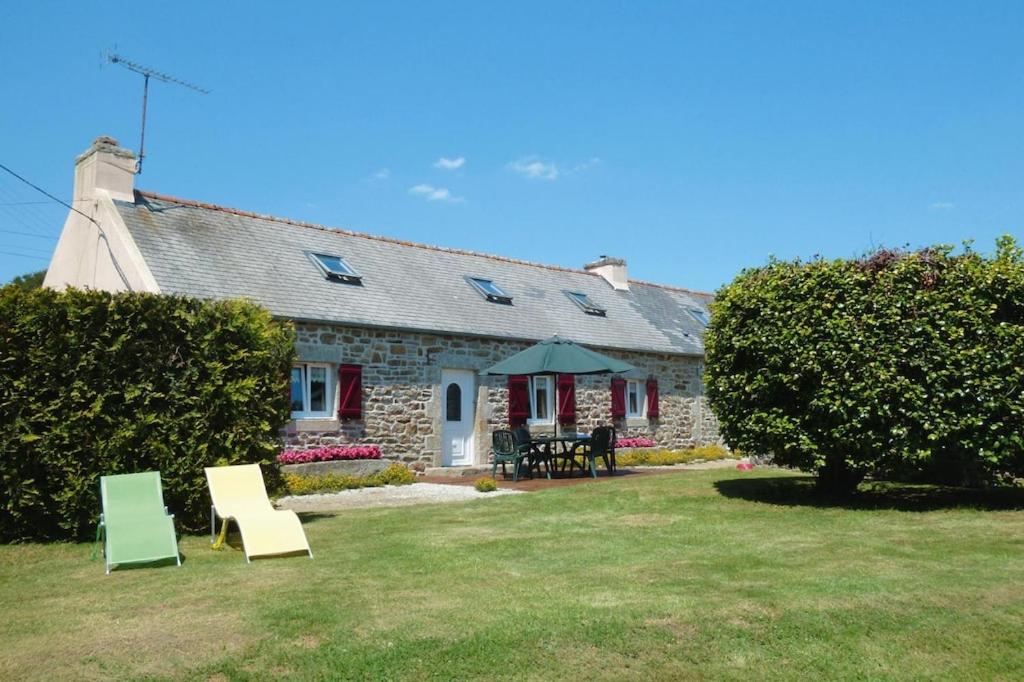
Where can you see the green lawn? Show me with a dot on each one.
(708, 574)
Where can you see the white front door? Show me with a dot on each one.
(458, 415)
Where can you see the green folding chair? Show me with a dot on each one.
(134, 525)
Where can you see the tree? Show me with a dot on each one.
(898, 362)
(33, 280)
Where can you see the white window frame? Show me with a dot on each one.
(701, 316)
(348, 274)
(641, 398)
(329, 388)
(586, 304)
(549, 382)
(490, 290)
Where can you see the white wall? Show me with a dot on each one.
(95, 250)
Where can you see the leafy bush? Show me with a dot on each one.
(299, 484)
(485, 484)
(329, 454)
(705, 453)
(898, 362)
(634, 443)
(93, 383)
(395, 474)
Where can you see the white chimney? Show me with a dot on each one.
(105, 166)
(613, 270)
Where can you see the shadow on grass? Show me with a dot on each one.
(308, 517)
(801, 491)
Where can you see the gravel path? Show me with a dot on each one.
(388, 496)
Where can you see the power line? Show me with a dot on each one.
(31, 234)
(47, 194)
(102, 232)
(23, 255)
(23, 203)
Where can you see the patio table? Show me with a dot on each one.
(569, 443)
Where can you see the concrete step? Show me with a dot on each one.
(458, 472)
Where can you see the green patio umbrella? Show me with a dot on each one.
(558, 356)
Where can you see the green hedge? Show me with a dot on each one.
(898, 363)
(93, 383)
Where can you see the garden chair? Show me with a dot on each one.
(505, 449)
(239, 494)
(134, 523)
(601, 444)
(534, 455)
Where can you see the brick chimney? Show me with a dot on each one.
(107, 166)
(613, 270)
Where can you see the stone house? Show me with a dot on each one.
(391, 335)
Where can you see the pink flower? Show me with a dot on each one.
(329, 453)
(634, 443)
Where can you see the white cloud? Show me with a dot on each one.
(942, 206)
(431, 193)
(534, 168)
(586, 165)
(445, 163)
(382, 174)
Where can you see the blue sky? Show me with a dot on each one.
(692, 139)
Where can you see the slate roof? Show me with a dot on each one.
(210, 251)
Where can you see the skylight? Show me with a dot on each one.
(700, 315)
(584, 302)
(335, 267)
(489, 290)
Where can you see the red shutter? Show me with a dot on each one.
(350, 388)
(652, 398)
(518, 400)
(618, 398)
(566, 398)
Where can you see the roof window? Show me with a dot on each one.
(584, 302)
(335, 267)
(489, 290)
(700, 315)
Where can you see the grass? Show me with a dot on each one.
(709, 574)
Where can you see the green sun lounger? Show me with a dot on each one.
(135, 525)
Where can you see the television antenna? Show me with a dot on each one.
(146, 72)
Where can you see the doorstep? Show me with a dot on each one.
(457, 472)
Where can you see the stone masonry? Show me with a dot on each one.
(402, 401)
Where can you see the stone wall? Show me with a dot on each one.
(402, 400)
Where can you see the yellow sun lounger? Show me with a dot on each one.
(239, 495)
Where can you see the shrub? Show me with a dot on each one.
(329, 454)
(93, 383)
(634, 443)
(395, 474)
(670, 457)
(896, 362)
(485, 484)
(299, 484)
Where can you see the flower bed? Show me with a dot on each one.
(298, 484)
(329, 454)
(634, 443)
(665, 457)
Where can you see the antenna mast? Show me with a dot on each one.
(145, 72)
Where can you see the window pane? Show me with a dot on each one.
(335, 264)
(633, 393)
(540, 387)
(317, 389)
(453, 400)
(297, 384)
